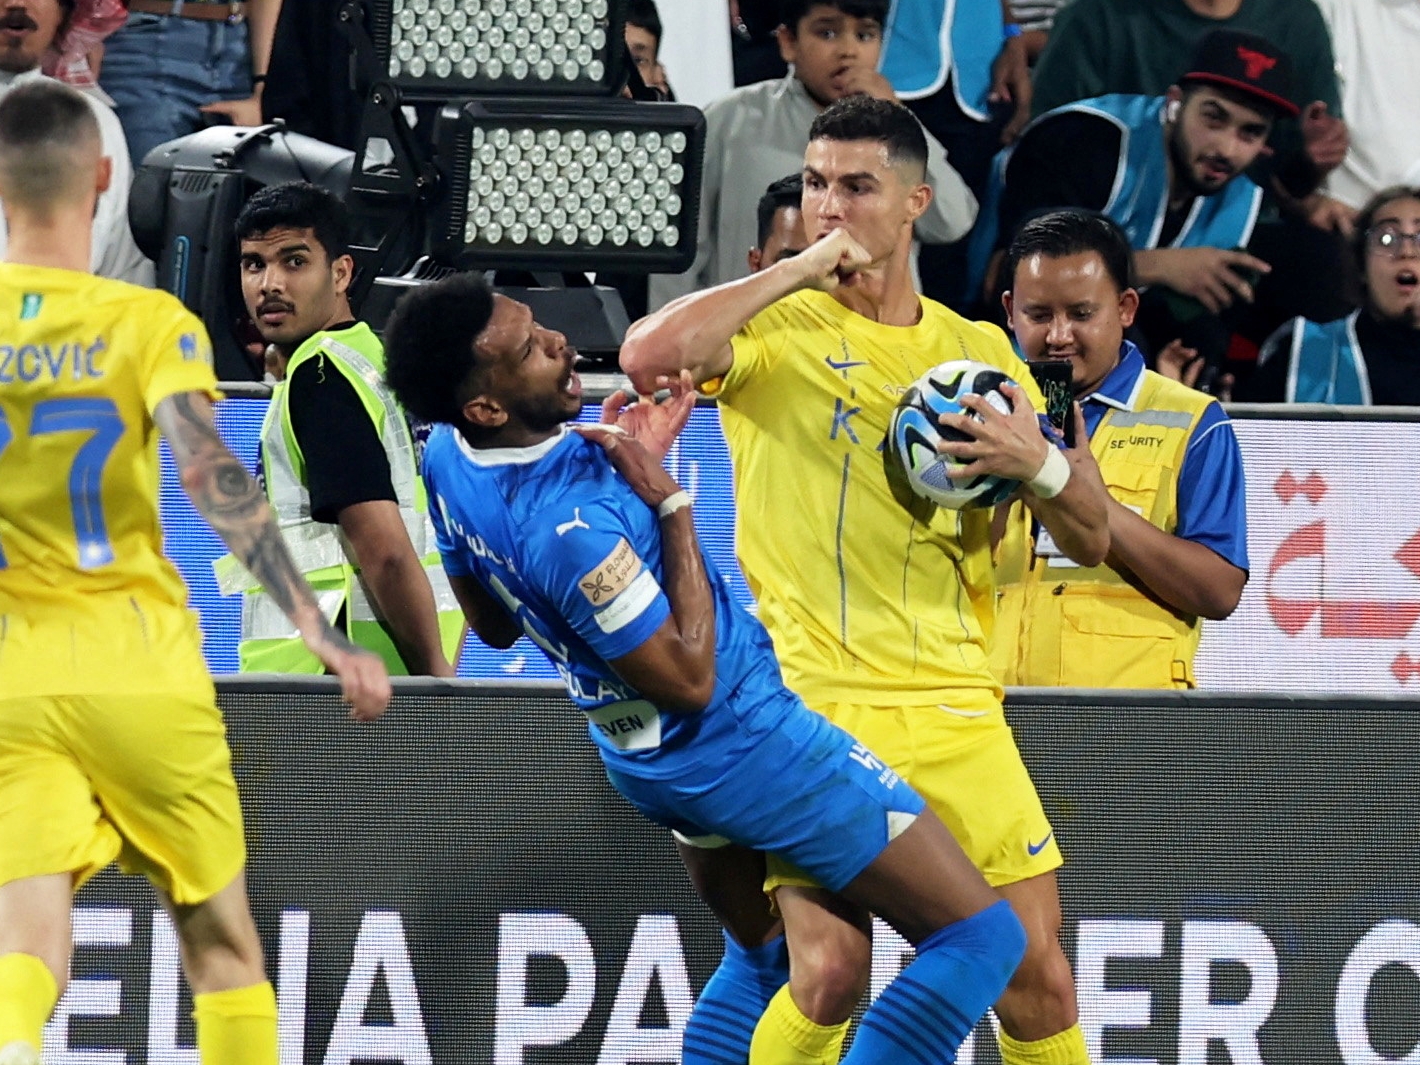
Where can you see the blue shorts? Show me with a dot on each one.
(804, 789)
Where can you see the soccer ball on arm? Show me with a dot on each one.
(913, 433)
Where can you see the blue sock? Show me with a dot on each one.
(722, 1023)
(924, 1015)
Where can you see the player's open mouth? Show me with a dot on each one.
(1408, 280)
(573, 387)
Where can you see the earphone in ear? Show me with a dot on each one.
(1171, 112)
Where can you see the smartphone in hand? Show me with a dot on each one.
(1054, 378)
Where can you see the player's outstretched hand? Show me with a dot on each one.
(655, 424)
(835, 260)
(642, 470)
(1007, 445)
(364, 681)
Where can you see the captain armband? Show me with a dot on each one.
(1053, 475)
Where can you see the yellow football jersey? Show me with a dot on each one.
(83, 363)
(865, 602)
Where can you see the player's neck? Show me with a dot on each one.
(61, 241)
(884, 294)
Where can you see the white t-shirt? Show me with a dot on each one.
(1377, 45)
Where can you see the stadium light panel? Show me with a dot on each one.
(447, 48)
(570, 184)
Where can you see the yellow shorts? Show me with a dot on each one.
(110, 770)
(971, 775)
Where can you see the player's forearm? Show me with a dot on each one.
(1191, 578)
(232, 503)
(687, 587)
(1151, 267)
(693, 332)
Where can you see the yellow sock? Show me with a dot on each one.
(1063, 1048)
(236, 1027)
(784, 1036)
(28, 993)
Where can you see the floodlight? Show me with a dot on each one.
(569, 184)
(444, 48)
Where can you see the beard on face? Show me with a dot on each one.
(1183, 165)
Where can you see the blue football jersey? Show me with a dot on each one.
(556, 534)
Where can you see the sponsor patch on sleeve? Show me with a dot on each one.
(612, 575)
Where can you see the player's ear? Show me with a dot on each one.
(919, 199)
(1009, 303)
(755, 259)
(483, 412)
(105, 173)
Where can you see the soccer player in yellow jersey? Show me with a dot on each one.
(881, 619)
(111, 745)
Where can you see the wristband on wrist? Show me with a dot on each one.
(1052, 476)
(258, 79)
(1011, 29)
(672, 503)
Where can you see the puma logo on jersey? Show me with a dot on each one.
(576, 523)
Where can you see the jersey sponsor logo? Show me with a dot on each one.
(887, 777)
(1035, 848)
(30, 304)
(612, 575)
(188, 347)
(847, 362)
(628, 726)
(576, 523)
(629, 605)
(68, 362)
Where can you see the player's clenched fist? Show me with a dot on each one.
(830, 262)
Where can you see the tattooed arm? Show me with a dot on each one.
(233, 504)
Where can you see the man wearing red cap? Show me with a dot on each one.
(1170, 170)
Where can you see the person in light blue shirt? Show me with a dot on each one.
(582, 541)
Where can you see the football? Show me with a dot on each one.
(914, 432)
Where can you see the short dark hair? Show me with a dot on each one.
(41, 122)
(643, 13)
(786, 192)
(791, 12)
(430, 363)
(1366, 218)
(298, 205)
(1057, 234)
(864, 118)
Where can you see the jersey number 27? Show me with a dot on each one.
(101, 418)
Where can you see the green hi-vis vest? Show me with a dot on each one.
(1063, 625)
(270, 643)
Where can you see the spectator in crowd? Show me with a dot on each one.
(177, 65)
(1373, 354)
(1376, 45)
(1170, 170)
(880, 613)
(338, 458)
(781, 223)
(757, 133)
(74, 58)
(1101, 47)
(111, 740)
(754, 48)
(1171, 465)
(592, 551)
(32, 29)
(969, 84)
(643, 40)
(308, 86)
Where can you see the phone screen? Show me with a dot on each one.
(1054, 378)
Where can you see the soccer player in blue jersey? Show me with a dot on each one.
(582, 541)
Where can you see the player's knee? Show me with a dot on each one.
(829, 978)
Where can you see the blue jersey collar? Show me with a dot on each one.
(1120, 388)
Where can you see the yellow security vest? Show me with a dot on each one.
(269, 641)
(1063, 625)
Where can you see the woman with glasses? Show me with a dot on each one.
(1371, 356)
